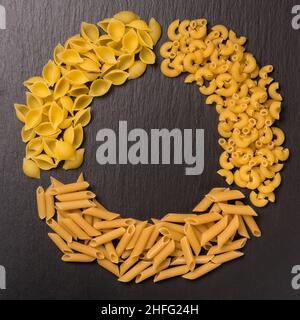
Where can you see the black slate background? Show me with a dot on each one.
(33, 264)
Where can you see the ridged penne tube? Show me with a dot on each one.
(142, 241)
(223, 196)
(59, 230)
(153, 237)
(120, 248)
(84, 225)
(204, 218)
(169, 225)
(230, 246)
(80, 195)
(77, 257)
(74, 229)
(171, 273)
(176, 236)
(252, 225)
(198, 260)
(229, 232)
(151, 271)
(76, 204)
(109, 236)
(71, 187)
(243, 210)
(203, 205)
(127, 264)
(41, 203)
(111, 252)
(164, 254)
(117, 223)
(59, 242)
(201, 271)
(187, 252)
(178, 217)
(226, 257)
(138, 230)
(49, 201)
(101, 214)
(132, 273)
(242, 230)
(87, 250)
(192, 238)
(213, 231)
(156, 249)
(109, 266)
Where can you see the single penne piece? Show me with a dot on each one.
(226, 195)
(95, 219)
(213, 231)
(101, 213)
(156, 249)
(187, 253)
(173, 226)
(215, 208)
(229, 232)
(112, 235)
(71, 187)
(50, 209)
(109, 266)
(164, 254)
(142, 241)
(76, 204)
(41, 203)
(132, 273)
(103, 250)
(176, 236)
(201, 271)
(242, 230)
(59, 221)
(77, 257)
(114, 224)
(109, 247)
(252, 225)
(59, 230)
(205, 203)
(153, 237)
(198, 260)
(60, 243)
(75, 229)
(62, 214)
(151, 271)
(80, 195)
(177, 253)
(55, 183)
(204, 218)
(171, 273)
(243, 210)
(231, 246)
(192, 238)
(177, 217)
(125, 240)
(127, 264)
(126, 254)
(84, 225)
(225, 257)
(87, 250)
(140, 226)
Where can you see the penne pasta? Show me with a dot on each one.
(68, 188)
(201, 271)
(171, 272)
(225, 257)
(109, 266)
(125, 240)
(75, 229)
(112, 235)
(49, 201)
(132, 273)
(84, 225)
(252, 225)
(59, 242)
(127, 264)
(59, 230)
(41, 203)
(117, 223)
(204, 219)
(157, 248)
(101, 213)
(164, 254)
(230, 246)
(75, 204)
(138, 230)
(81, 195)
(213, 231)
(187, 252)
(193, 239)
(229, 232)
(142, 241)
(87, 250)
(237, 209)
(77, 257)
(111, 251)
(198, 260)
(151, 271)
(177, 217)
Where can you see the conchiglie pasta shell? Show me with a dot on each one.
(49, 145)
(33, 101)
(56, 115)
(49, 98)
(89, 31)
(117, 77)
(46, 130)
(144, 39)
(155, 32)
(69, 135)
(83, 117)
(130, 41)
(91, 76)
(51, 73)
(105, 69)
(99, 87)
(34, 147)
(126, 16)
(61, 88)
(116, 29)
(78, 136)
(33, 118)
(64, 151)
(139, 25)
(116, 46)
(46, 108)
(106, 54)
(67, 103)
(125, 61)
(104, 24)
(82, 102)
(27, 135)
(31, 169)
(57, 50)
(27, 83)
(76, 77)
(147, 56)
(40, 89)
(90, 65)
(44, 162)
(70, 57)
(137, 70)
(92, 56)
(21, 111)
(76, 163)
(78, 90)
(80, 45)
(66, 123)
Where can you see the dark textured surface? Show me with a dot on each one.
(33, 264)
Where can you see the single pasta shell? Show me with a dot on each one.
(90, 65)
(66, 123)
(32, 101)
(44, 162)
(116, 46)
(82, 102)
(34, 147)
(33, 118)
(91, 76)
(76, 163)
(99, 87)
(89, 31)
(46, 108)
(130, 41)
(144, 39)
(80, 45)
(67, 103)
(57, 50)
(64, 151)
(69, 135)
(147, 56)
(117, 77)
(137, 70)
(21, 111)
(155, 32)
(67, 43)
(49, 145)
(92, 56)
(51, 73)
(31, 169)
(126, 16)
(116, 29)
(125, 61)
(40, 89)
(27, 83)
(106, 54)
(70, 57)
(76, 77)
(105, 69)
(78, 136)
(56, 115)
(61, 88)
(46, 129)
(103, 40)
(83, 117)
(103, 24)
(78, 90)
(27, 135)
(139, 25)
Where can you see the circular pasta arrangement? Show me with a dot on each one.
(180, 244)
